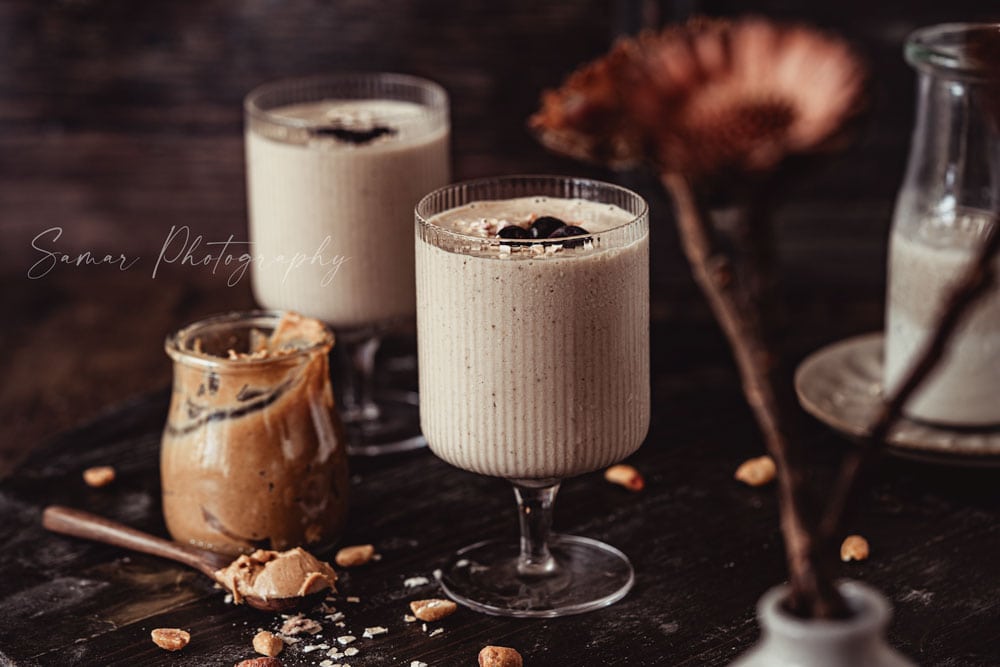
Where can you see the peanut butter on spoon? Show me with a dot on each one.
(276, 575)
(265, 580)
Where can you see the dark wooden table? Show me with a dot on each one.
(119, 120)
(704, 546)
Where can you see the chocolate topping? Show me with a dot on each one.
(353, 136)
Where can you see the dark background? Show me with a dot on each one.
(119, 119)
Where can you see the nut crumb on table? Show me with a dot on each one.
(99, 476)
(854, 547)
(415, 582)
(170, 639)
(298, 624)
(757, 471)
(499, 656)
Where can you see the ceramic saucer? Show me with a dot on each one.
(841, 385)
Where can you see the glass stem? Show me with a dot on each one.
(534, 504)
(357, 364)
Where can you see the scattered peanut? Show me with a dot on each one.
(433, 610)
(854, 547)
(170, 639)
(99, 476)
(267, 643)
(756, 472)
(259, 662)
(626, 476)
(499, 656)
(358, 554)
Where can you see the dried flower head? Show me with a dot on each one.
(588, 117)
(706, 97)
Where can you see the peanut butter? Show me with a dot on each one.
(253, 453)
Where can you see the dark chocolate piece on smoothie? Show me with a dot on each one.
(353, 136)
(567, 231)
(544, 226)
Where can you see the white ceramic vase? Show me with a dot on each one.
(859, 641)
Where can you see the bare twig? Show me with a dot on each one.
(977, 279)
(737, 308)
(812, 589)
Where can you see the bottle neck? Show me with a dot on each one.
(954, 164)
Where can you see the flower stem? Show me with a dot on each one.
(740, 317)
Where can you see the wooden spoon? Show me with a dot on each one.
(77, 523)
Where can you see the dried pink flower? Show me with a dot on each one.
(706, 97)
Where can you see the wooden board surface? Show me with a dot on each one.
(704, 548)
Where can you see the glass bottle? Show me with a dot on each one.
(948, 199)
(253, 453)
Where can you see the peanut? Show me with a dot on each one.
(259, 662)
(99, 476)
(854, 547)
(626, 476)
(267, 643)
(358, 554)
(756, 472)
(499, 656)
(170, 639)
(433, 610)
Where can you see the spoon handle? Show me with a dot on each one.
(89, 526)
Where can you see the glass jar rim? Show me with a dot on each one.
(436, 105)
(425, 220)
(177, 350)
(947, 50)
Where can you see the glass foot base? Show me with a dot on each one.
(588, 575)
(388, 426)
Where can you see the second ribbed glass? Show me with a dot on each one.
(534, 367)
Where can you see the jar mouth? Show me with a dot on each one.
(219, 333)
(967, 51)
(868, 609)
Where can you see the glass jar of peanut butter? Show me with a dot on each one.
(253, 453)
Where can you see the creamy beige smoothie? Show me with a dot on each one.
(534, 354)
(924, 263)
(331, 189)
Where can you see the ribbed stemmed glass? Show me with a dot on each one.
(534, 367)
(335, 165)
